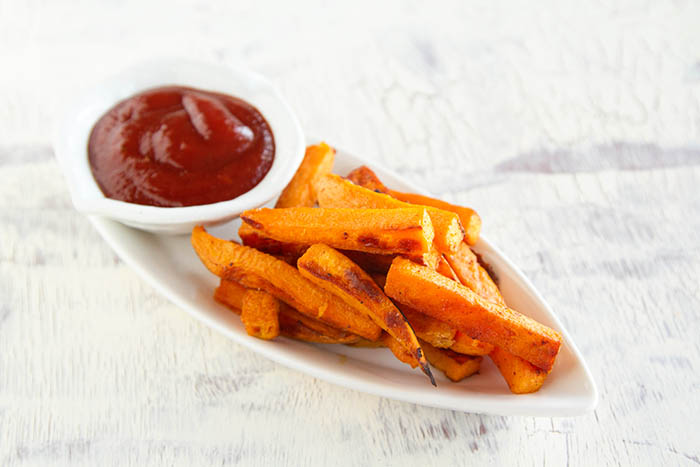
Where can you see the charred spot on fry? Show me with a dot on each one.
(252, 223)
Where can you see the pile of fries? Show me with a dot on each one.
(374, 267)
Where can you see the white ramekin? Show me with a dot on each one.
(73, 130)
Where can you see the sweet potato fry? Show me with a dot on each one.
(365, 177)
(301, 191)
(470, 273)
(430, 259)
(522, 376)
(335, 192)
(256, 239)
(405, 231)
(466, 345)
(291, 252)
(435, 332)
(255, 269)
(444, 268)
(438, 333)
(469, 218)
(260, 314)
(446, 300)
(403, 354)
(316, 325)
(231, 294)
(294, 329)
(335, 273)
(370, 262)
(455, 366)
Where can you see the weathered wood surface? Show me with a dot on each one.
(573, 129)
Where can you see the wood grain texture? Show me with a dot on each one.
(575, 133)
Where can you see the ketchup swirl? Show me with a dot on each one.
(176, 146)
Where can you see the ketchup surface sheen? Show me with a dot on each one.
(175, 146)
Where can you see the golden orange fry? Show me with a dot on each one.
(469, 218)
(470, 273)
(301, 190)
(334, 272)
(260, 314)
(336, 192)
(365, 177)
(466, 345)
(383, 231)
(231, 294)
(255, 269)
(447, 300)
(295, 329)
(521, 376)
(455, 366)
(438, 333)
(254, 238)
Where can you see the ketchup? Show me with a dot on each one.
(175, 146)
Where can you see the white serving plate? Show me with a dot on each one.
(170, 265)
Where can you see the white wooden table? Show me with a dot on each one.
(574, 129)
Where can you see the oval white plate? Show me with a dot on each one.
(170, 265)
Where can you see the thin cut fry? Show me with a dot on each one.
(254, 269)
(365, 177)
(301, 191)
(446, 300)
(316, 325)
(294, 329)
(260, 314)
(291, 252)
(466, 345)
(521, 376)
(469, 218)
(335, 273)
(454, 365)
(256, 239)
(444, 268)
(335, 192)
(438, 333)
(230, 294)
(405, 231)
(471, 274)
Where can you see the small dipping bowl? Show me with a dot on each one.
(73, 131)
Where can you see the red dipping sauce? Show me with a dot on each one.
(175, 146)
